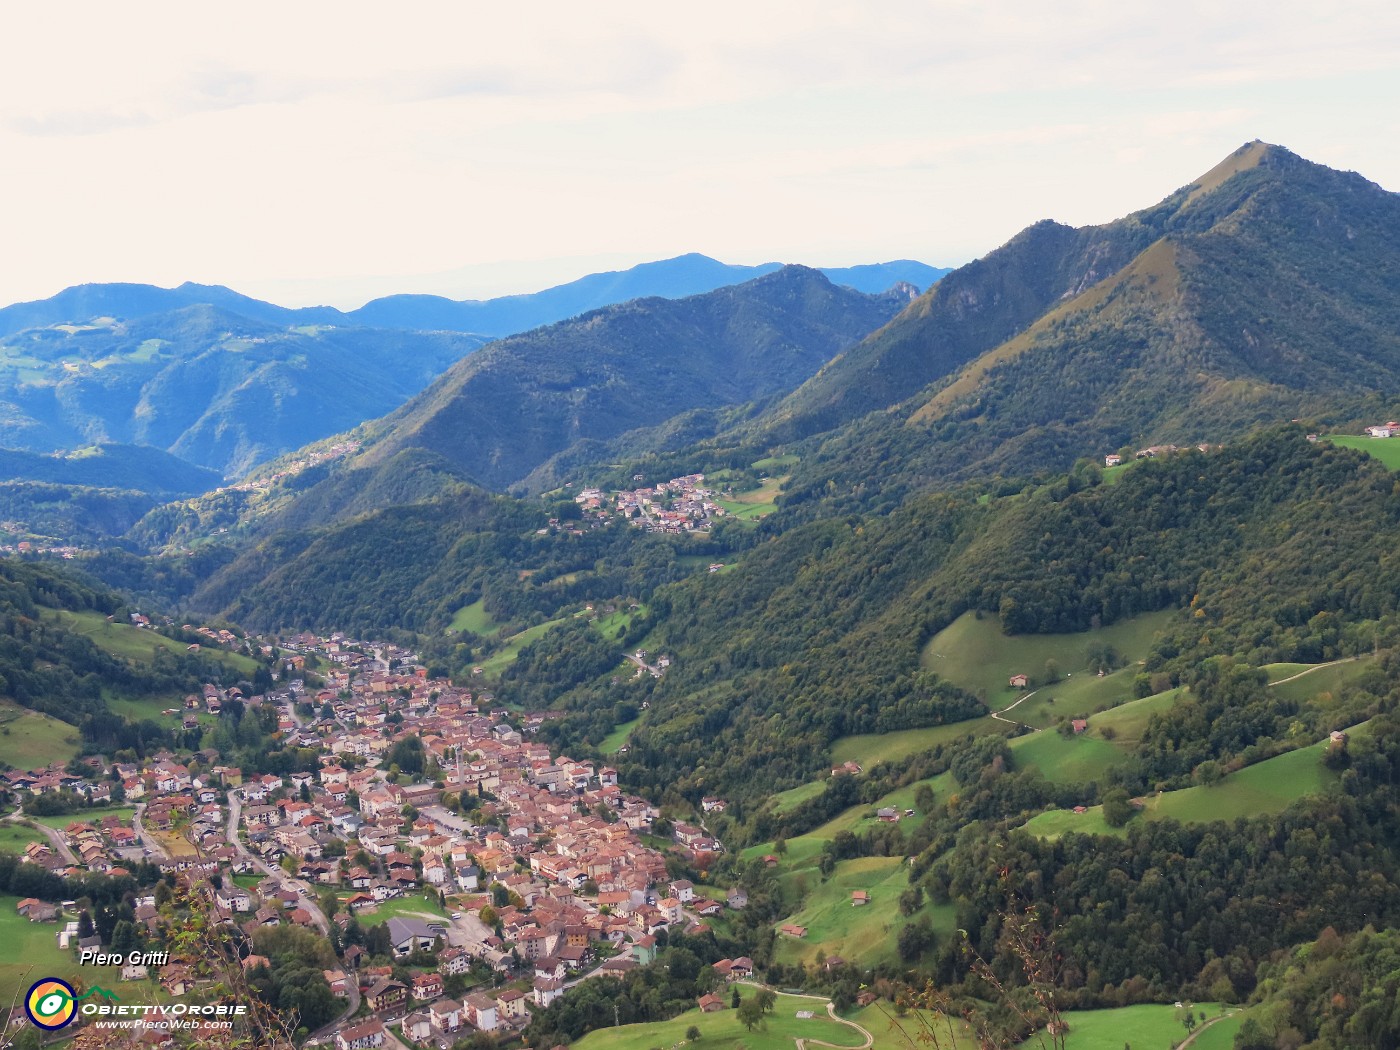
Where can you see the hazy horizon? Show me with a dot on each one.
(334, 153)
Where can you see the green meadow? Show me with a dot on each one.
(615, 623)
(29, 739)
(493, 665)
(775, 463)
(619, 736)
(1128, 721)
(1270, 786)
(1148, 1025)
(869, 748)
(141, 644)
(722, 1029)
(1387, 450)
(913, 1029)
(474, 618)
(745, 511)
(1326, 678)
(31, 952)
(867, 932)
(1113, 475)
(1278, 672)
(1266, 787)
(1066, 759)
(14, 837)
(1056, 822)
(785, 800)
(835, 926)
(755, 503)
(86, 816)
(975, 654)
(154, 708)
(414, 906)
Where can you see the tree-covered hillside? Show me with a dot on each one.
(1273, 548)
(92, 495)
(49, 664)
(500, 414)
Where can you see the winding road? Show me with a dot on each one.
(305, 897)
(1015, 704)
(655, 672)
(805, 1041)
(153, 844)
(55, 839)
(1314, 667)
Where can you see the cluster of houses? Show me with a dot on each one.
(551, 843)
(264, 482)
(680, 505)
(65, 551)
(1114, 459)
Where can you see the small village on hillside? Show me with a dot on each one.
(679, 505)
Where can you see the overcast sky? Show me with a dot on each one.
(309, 153)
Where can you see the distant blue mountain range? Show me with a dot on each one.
(669, 279)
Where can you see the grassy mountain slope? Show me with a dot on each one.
(1268, 289)
(415, 567)
(60, 655)
(970, 311)
(91, 495)
(560, 396)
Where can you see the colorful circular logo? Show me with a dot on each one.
(50, 1003)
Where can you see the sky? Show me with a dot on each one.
(328, 153)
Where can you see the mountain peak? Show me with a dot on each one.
(1250, 155)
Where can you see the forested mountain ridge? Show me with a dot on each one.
(215, 388)
(677, 278)
(987, 302)
(90, 495)
(1268, 289)
(685, 275)
(135, 467)
(496, 420)
(498, 415)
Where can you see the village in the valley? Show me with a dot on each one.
(508, 873)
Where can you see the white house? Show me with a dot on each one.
(481, 1011)
(361, 1036)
